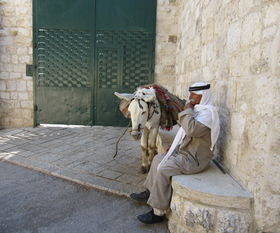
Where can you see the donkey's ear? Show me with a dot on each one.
(149, 98)
(124, 96)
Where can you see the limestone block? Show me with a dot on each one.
(6, 58)
(199, 218)
(269, 32)
(272, 168)
(226, 1)
(24, 59)
(275, 55)
(233, 37)
(209, 32)
(267, 212)
(22, 51)
(251, 29)
(4, 75)
(26, 104)
(14, 59)
(18, 68)
(22, 10)
(239, 64)
(175, 227)
(271, 14)
(21, 85)
(245, 6)
(15, 75)
(2, 85)
(24, 32)
(4, 2)
(4, 95)
(23, 95)
(210, 52)
(7, 40)
(14, 95)
(24, 21)
(177, 206)
(11, 49)
(203, 55)
(233, 222)
(207, 74)
(7, 11)
(29, 85)
(231, 12)
(260, 66)
(212, 188)
(11, 85)
(9, 21)
(30, 51)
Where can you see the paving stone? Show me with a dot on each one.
(90, 167)
(83, 154)
(6, 146)
(129, 179)
(110, 174)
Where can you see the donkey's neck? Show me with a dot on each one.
(154, 115)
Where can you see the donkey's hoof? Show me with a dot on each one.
(145, 169)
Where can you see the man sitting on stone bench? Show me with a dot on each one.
(191, 152)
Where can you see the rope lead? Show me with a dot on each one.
(117, 143)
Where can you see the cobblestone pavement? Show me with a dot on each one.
(80, 154)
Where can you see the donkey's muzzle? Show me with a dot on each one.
(136, 135)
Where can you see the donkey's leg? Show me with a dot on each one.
(144, 149)
(152, 144)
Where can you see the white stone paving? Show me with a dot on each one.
(80, 154)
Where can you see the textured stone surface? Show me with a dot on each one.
(77, 154)
(235, 45)
(200, 219)
(15, 44)
(232, 222)
(212, 187)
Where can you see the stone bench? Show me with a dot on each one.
(208, 202)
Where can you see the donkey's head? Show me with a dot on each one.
(139, 108)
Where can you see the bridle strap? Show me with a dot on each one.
(150, 115)
(154, 105)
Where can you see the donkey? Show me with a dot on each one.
(145, 116)
(149, 107)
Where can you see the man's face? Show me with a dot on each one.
(194, 98)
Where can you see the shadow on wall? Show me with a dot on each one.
(224, 114)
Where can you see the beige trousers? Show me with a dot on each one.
(159, 182)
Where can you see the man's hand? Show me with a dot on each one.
(188, 105)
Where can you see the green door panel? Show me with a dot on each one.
(65, 14)
(125, 32)
(84, 51)
(126, 15)
(64, 60)
(66, 105)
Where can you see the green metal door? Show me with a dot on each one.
(125, 32)
(84, 50)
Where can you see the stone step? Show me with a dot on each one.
(209, 202)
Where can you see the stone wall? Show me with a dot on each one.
(16, 90)
(166, 42)
(235, 46)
